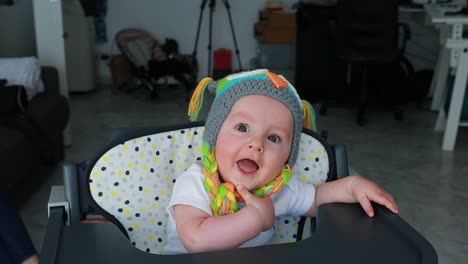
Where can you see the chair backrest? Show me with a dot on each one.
(367, 30)
(131, 180)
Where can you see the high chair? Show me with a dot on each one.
(129, 184)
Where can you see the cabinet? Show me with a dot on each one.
(65, 40)
(79, 40)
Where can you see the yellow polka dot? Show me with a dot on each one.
(130, 164)
(151, 238)
(172, 154)
(290, 241)
(153, 146)
(114, 193)
(146, 190)
(153, 220)
(139, 138)
(142, 209)
(95, 174)
(145, 167)
(105, 158)
(190, 135)
(278, 230)
(319, 151)
(310, 158)
(179, 166)
(142, 155)
(200, 150)
(90, 190)
(120, 173)
(126, 211)
(154, 206)
(184, 151)
(175, 140)
(168, 178)
(125, 148)
(303, 177)
(294, 225)
(136, 225)
(162, 192)
(155, 159)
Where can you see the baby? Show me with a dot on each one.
(250, 145)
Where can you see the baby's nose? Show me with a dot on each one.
(256, 145)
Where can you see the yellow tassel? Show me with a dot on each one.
(308, 115)
(196, 101)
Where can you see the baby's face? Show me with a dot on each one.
(254, 141)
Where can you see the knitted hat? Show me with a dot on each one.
(233, 87)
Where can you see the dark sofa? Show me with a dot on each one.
(32, 143)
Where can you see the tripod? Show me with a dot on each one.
(212, 6)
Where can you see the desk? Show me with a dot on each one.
(454, 53)
(344, 235)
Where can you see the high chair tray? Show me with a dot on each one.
(345, 234)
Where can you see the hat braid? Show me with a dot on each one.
(223, 196)
(275, 185)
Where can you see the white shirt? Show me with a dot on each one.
(295, 198)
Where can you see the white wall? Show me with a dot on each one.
(178, 19)
(17, 30)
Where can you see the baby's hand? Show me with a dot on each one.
(366, 191)
(263, 207)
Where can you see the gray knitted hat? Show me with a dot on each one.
(260, 82)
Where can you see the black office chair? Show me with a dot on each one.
(367, 37)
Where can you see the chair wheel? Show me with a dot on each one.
(361, 120)
(323, 109)
(153, 95)
(399, 114)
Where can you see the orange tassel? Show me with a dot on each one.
(196, 101)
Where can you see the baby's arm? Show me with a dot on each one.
(353, 189)
(201, 232)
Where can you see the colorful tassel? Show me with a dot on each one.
(196, 101)
(308, 115)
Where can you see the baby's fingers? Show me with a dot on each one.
(387, 201)
(246, 195)
(366, 205)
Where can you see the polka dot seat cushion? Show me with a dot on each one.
(133, 182)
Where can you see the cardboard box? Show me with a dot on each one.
(278, 19)
(271, 35)
(276, 28)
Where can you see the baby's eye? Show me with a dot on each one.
(274, 138)
(242, 128)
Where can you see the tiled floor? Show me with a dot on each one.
(404, 157)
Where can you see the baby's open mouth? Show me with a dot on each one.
(247, 165)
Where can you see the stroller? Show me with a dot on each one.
(151, 61)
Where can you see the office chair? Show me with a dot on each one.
(367, 37)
